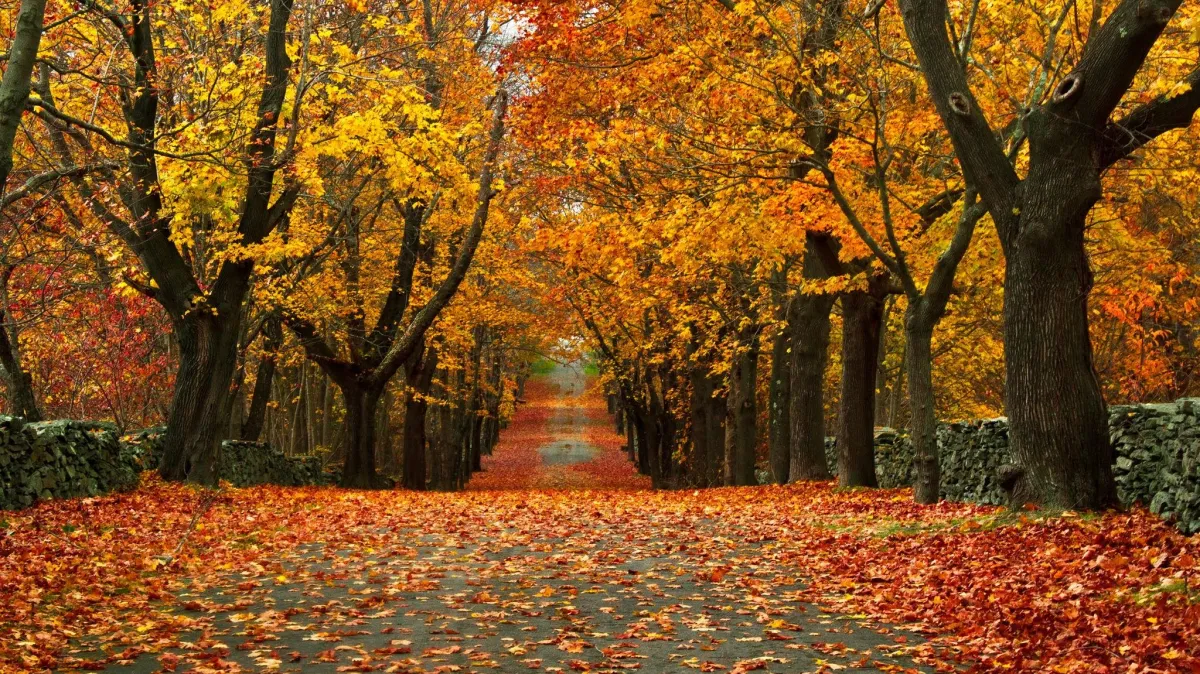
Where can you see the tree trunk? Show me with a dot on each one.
(201, 401)
(651, 449)
(809, 324)
(741, 417)
(630, 437)
(495, 392)
(299, 422)
(1058, 422)
(922, 413)
(666, 450)
(21, 398)
(359, 470)
(699, 409)
(896, 394)
(715, 461)
(14, 87)
(881, 381)
(780, 413)
(252, 427)
(419, 377)
(862, 312)
(448, 453)
(642, 441)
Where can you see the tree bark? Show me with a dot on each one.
(207, 359)
(809, 325)
(923, 415)
(1058, 421)
(273, 339)
(359, 471)
(862, 312)
(699, 408)
(22, 400)
(780, 421)
(742, 416)
(18, 73)
(630, 433)
(642, 441)
(419, 377)
(447, 464)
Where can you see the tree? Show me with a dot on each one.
(1059, 423)
(206, 312)
(14, 94)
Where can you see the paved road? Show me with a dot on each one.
(543, 581)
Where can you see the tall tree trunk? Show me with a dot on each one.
(201, 402)
(699, 408)
(14, 87)
(491, 423)
(252, 427)
(741, 417)
(447, 465)
(881, 380)
(651, 448)
(1058, 421)
(299, 422)
(419, 376)
(809, 325)
(923, 420)
(780, 421)
(862, 312)
(630, 437)
(897, 393)
(21, 398)
(715, 461)
(474, 440)
(642, 441)
(359, 471)
(666, 450)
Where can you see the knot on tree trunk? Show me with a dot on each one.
(960, 104)
(1068, 88)
(1155, 11)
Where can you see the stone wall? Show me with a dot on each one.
(64, 459)
(243, 464)
(1157, 459)
(60, 459)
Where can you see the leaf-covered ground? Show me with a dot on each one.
(558, 558)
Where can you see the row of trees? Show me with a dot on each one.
(731, 183)
(226, 190)
(765, 217)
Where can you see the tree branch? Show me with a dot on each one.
(37, 181)
(1149, 121)
(399, 351)
(979, 152)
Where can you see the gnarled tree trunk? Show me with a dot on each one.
(202, 398)
(1058, 421)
